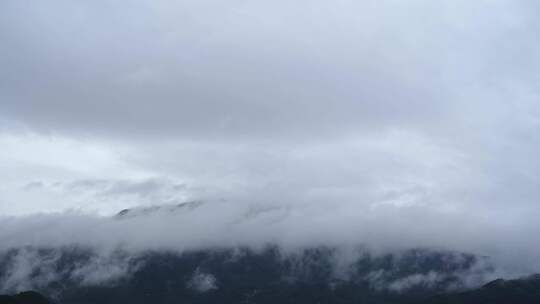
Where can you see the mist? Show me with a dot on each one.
(375, 124)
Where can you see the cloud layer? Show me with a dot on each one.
(381, 122)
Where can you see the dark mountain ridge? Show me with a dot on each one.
(523, 291)
(239, 275)
(27, 297)
(244, 275)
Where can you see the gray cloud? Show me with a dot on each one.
(202, 282)
(34, 268)
(251, 70)
(158, 189)
(380, 122)
(227, 225)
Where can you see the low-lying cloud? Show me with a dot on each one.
(376, 123)
(210, 225)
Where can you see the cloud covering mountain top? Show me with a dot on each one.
(379, 122)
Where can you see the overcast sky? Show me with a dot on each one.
(391, 108)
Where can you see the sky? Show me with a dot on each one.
(365, 120)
